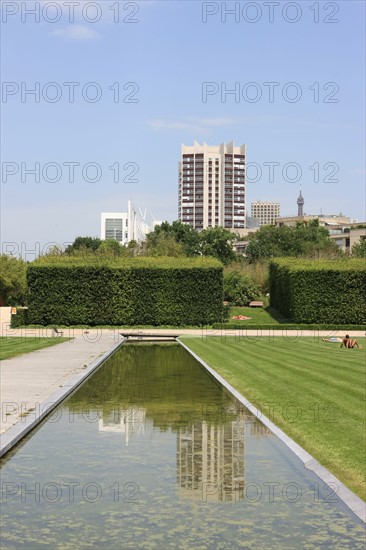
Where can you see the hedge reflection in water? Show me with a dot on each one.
(164, 381)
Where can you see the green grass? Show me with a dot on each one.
(259, 316)
(12, 346)
(314, 391)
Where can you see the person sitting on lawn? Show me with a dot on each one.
(347, 342)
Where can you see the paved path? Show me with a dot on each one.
(29, 380)
(94, 334)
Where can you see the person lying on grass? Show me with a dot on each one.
(333, 340)
(347, 342)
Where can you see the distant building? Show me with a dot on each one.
(342, 230)
(124, 227)
(346, 237)
(265, 212)
(329, 221)
(300, 205)
(211, 188)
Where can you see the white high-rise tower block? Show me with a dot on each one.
(212, 186)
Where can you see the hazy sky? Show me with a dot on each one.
(127, 90)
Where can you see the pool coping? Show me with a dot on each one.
(348, 497)
(13, 435)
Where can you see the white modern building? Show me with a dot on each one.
(124, 227)
(211, 188)
(265, 212)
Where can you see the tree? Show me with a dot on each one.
(182, 233)
(55, 250)
(306, 239)
(310, 238)
(239, 289)
(165, 245)
(111, 248)
(359, 249)
(133, 248)
(217, 242)
(214, 241)
(12, 280)
(84, 243)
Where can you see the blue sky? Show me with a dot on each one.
(168, 54)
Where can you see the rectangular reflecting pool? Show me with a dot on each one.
(151, 453)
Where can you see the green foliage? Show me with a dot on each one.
(125, 291)
(214, 241)
(258, 272)
(125, 262)
(84, 243)
(358, 226)
(178, 232)
(359, 249)
(306, 239)
(217, 242)
(111, 248)
(332, 292)
(133, 248)
(239, 289)
(94, 247)
(244, 326)
(55, 250)
(21, 317)
(12, 280)
(165, 245)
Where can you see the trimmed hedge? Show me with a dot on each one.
(286, 326)
(139, 291)
(328, 292)
(20, 319)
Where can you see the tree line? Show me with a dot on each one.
(307, 240)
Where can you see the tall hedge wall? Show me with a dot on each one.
(332, 291)
(125, 292)
(20, 318)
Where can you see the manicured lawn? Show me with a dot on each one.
(258, 315)
(314, 391)
(12, 345)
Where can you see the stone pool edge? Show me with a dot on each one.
(13, 435)
(348, 497)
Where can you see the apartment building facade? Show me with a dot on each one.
(265, 212)
(211, 188)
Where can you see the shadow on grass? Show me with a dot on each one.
(276, 315)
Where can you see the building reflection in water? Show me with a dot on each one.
(129, 421)
(211, 457)
(210, 453)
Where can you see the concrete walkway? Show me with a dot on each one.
(95, 333)
(29, 380)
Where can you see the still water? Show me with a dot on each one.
(151, 453)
